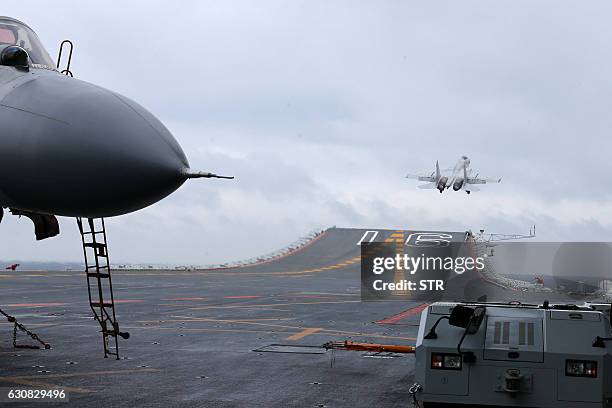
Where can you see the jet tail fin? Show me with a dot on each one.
(437, 170)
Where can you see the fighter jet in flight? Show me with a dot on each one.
(459, 178)
(71, 148)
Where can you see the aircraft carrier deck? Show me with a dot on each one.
(193, 333)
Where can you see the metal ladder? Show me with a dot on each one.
(97, 268)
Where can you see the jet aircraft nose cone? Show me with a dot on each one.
(101, 153)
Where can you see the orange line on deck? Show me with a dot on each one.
(41, 384)
(304, 333)
(323, 330)
(241, 306)
(405, 314)
(329, 332)
(39, 380)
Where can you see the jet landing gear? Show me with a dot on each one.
(97, 268)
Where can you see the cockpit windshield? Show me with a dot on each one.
(14, 32)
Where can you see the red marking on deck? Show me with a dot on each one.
(405, 314)
(187, 298)
(241, 297)
(129, 300)
(34, 304)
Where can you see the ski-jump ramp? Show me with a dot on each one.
(339, 249)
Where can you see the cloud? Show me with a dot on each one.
(320, 109)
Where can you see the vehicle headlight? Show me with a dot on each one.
(452, 361)
(445, 361)
(581, 368)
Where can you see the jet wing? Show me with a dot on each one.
(480, 180)
(422, 177)
(429, 186)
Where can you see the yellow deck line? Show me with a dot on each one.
(35, 380)
(304, 333)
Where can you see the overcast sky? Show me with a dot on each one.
(320, 108)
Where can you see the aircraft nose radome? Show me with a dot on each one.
(105, 153)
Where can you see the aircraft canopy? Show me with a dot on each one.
(14, 32)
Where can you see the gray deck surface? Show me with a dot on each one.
(193, 332)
